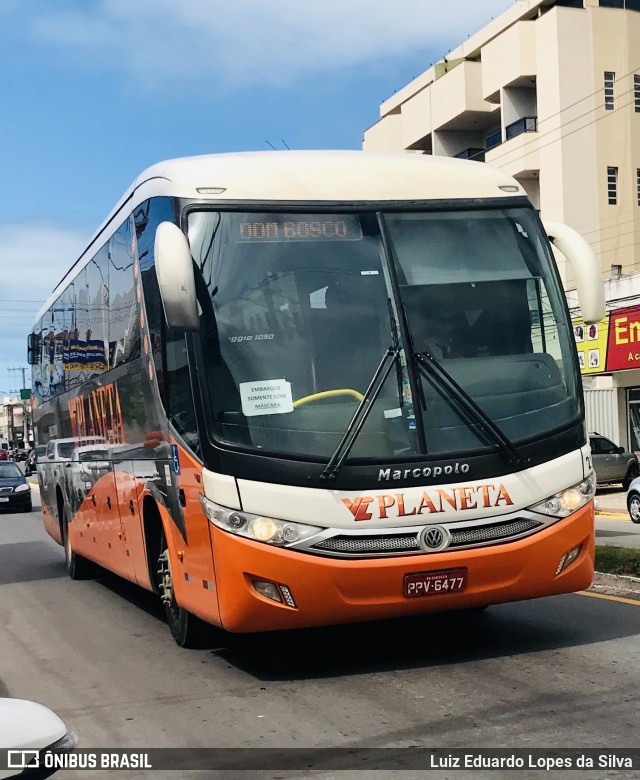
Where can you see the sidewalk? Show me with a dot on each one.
(612, 502)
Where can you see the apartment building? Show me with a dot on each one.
(550, 92)
(11, 419)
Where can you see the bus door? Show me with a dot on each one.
(128, 489)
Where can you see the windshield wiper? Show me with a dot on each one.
(431, 368)
(390, 358)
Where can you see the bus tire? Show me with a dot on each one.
(187, 630)
(78, 568)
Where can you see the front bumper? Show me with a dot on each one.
(15, 500)
(329, 590)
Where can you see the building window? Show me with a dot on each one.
(612, 186)
(628, 5)
(638, 185)
(609, 79)
(636, 92)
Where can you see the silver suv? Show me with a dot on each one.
(612, 463)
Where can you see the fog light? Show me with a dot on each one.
(286, 594)
(572, 555)
(568, 558)
(267, 589)
(560, 566)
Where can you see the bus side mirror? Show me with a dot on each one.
(174, 268)
(33, 349)
(586, 269)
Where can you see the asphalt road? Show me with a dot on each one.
(620, 533)
(558, 672)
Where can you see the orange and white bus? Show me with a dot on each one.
(292, 389)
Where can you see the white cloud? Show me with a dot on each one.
(33, 259)
(250, 42)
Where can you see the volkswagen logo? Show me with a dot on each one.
(434, 538)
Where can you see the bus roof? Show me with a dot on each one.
(313, 176)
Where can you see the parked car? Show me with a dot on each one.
(611, 462)
(4, 455)
(15, 491)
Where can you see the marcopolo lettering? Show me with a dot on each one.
(423, 472)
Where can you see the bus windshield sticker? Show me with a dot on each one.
(271, 396)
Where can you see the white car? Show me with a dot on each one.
(633, 500)
(27, 730)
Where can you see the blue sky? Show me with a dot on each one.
(94, 91)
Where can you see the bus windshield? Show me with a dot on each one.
(298, 310)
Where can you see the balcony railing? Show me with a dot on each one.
(471, 154)
(495, 139)
(528, 124)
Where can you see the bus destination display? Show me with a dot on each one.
(292, 227)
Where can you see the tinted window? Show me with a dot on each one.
(602, 446)
(37, 369)
(96, 339)
(124, 328)
(179, 390)
(147, 218)
(53, 334)
(75, 353)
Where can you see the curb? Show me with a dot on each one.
(612, 515)
(616, 585)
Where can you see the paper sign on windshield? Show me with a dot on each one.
(272, 396)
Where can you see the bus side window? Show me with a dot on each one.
(124, 330)
(179, 390)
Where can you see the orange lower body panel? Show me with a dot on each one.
(332, 590)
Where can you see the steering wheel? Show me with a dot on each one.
(328, 394)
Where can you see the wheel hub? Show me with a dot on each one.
(165, 582)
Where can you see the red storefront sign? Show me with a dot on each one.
(624, 339)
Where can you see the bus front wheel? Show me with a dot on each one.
(186, 629)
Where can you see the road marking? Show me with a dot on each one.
(612, 516)
(621, 599)
(34, 486)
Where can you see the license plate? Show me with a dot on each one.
(3, 499)
(435, 583)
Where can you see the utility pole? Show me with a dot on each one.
(25, 406)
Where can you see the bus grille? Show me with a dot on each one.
(406, 543)
(489, 533)
(359, 545)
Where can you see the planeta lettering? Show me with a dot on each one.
(456, 499)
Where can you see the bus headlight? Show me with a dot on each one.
(261, 529)
(570, 500)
